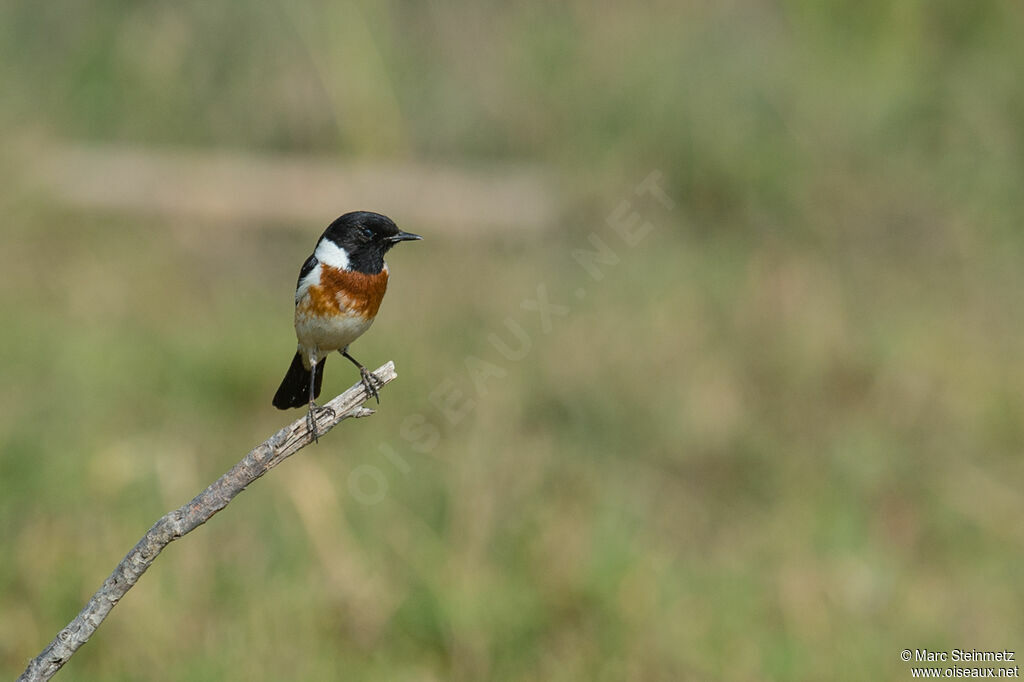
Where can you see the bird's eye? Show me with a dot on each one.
(366, 232)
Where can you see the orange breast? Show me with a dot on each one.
(343, 291)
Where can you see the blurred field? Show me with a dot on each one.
(780, 440)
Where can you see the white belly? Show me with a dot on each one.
(324, 335)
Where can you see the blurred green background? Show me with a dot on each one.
(779, 440)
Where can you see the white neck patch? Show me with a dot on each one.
(329, 253)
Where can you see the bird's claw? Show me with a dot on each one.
(370, 381)
(314, 412)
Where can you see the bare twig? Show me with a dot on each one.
(186, 518)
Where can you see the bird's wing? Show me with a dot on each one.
(307, 267)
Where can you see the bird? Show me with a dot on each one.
(338, 293)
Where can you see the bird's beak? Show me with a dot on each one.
(403, 237)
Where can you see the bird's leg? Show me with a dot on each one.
(314, 409)
(369, 380)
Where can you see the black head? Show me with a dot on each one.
(365, 237)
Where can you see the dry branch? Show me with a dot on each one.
(188, 517)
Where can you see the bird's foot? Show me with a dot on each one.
(314, 413)
(370, 381)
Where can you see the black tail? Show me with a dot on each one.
(294, 390)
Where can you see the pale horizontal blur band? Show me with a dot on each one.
(234, 186)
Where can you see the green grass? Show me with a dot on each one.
(780, 440)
